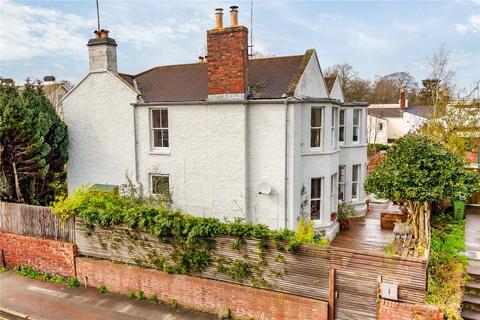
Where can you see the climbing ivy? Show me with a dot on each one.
(192, 238)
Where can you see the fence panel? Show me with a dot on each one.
(35, 221)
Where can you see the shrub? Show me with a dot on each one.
(73, 282)
(174, 304)
(57, 279)
(140, 295)
(102, 289)
(153, 299)
(131, 294)
(3, 269)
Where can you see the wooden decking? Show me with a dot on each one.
(366, 235)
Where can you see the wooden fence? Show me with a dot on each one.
(356, 275)
(35, 221)
(303, 273)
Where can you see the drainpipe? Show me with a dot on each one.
(285, 188)
(135, 146)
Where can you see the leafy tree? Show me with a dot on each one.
(386, 89)
(417, 171)
(33, 146)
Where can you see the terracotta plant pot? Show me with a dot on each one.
(345, 225)
(333, 217)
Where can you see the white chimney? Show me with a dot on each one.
(102, 52)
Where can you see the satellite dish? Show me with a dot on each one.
(264, 188)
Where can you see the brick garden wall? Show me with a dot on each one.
(203, 294)
(40, 254)
(391, 310)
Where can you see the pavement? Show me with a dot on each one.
(24, 298)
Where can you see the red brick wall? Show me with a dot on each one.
(42, 255)
(391, 310)
(227, 60)
(199, 293)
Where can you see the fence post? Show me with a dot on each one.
(331, 300)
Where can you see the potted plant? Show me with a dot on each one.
(344, 215)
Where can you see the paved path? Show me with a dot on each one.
(48, 301)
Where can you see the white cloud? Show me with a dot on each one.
(363, 40)
(29, 31)
(473, 25)
(461, 28)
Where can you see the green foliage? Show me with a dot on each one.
(33, 149)
(377, 147)
(418, 169)
(153, 299)
(305, 232)
(73, 282)
(102, 289)
(3, 269)
(28, 272)
(140, 295)
(131, 294)
(173, 303)
(447, 268)
(346, 211)
(57, 279)
(390, 249)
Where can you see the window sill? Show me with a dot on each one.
(160, 152)
(319, 152)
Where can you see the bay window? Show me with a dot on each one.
(316, 127)
(316, 198)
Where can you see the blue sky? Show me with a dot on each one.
(376, 37)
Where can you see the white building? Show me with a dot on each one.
(260, 139)
(388, 122)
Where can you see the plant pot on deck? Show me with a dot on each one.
(344, 225)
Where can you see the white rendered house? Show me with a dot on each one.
(260, 139)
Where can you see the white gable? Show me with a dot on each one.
(336, 92)
(312, 84)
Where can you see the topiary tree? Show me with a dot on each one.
(33, 146)
(416, 171)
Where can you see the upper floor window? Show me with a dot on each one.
(316, 198)
(357, 114)
(341, 130)
(341, 182)
(159, 125)
(355, 181)
(316, 127)
(334, 128)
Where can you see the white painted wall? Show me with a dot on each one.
(336, 92)
(100, 127)
(311, 83)
(375, 135)
(206, 160)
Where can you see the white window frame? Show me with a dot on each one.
(333, 192)
(342, 183)
(334, 128)
(356, 183)
(319, 199)
(322, 115)
(340, 125)
(158, 175)
(357, 126)
(152, 130)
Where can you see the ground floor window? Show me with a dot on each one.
(356, 181)
(333, 191)
(341, 182)
(316, 198)
(159, 184)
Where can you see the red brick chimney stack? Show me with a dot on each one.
(403, 99)
(227, 58)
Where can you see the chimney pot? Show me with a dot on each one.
(218, 18)
(104, 33)
(233, 16)
(97, 34)
(403, 100)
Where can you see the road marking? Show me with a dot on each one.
(125, 309)
(48, 291)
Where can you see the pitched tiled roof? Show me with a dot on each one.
(421, 111)
(269, 78)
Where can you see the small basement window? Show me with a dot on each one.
(160, 184)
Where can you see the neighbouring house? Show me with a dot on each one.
(54, 91)
(229, 136)
(388, 122)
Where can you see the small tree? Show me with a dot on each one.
(416, 171)
(33, 146)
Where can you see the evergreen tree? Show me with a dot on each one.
(33, 146)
